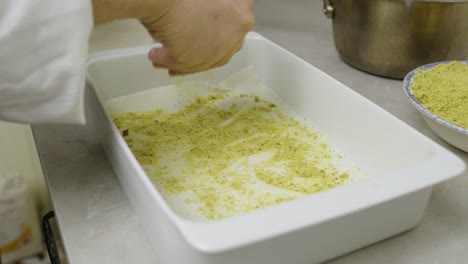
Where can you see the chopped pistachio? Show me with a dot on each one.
(221, 165)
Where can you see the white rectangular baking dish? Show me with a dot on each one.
(402, 165)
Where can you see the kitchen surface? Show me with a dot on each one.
(98, 225)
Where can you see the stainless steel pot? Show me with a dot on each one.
(392, 37)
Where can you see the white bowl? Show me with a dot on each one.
(402, 166)
(453, 134)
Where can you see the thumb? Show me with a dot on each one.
(161, 58)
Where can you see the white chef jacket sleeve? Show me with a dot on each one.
(43, 50)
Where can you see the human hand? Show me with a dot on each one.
(198, 35)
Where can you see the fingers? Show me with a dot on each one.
(198, 35)
(221, 62)
(176, 73)
(161, 58)
(251, 4)
(224, 60)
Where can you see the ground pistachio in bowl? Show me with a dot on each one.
(439, 91)
(443, 90)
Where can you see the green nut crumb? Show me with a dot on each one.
(443, 90)
(229, 162)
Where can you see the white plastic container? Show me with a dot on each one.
(19, 228)
(402, 165)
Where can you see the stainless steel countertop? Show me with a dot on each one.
(98, 224)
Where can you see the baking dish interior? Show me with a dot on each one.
(397, 159)
(351, 123)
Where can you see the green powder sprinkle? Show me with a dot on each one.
(230, 154)
(443, 90)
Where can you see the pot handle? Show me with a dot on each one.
(328, 8)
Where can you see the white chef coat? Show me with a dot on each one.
(43, 49)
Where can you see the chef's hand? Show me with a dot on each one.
(199, 35)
